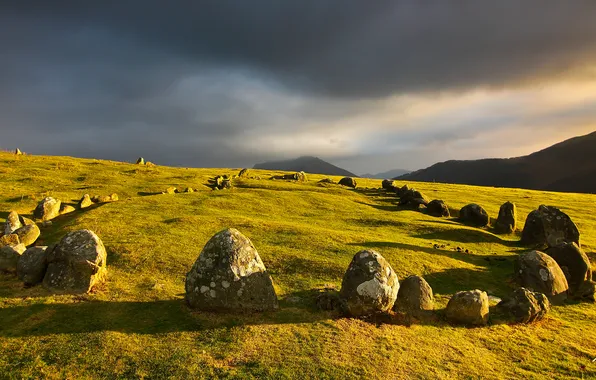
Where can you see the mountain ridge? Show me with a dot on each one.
(307, 164)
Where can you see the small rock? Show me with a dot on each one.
(468, 307)
(47, 223)
(12, 239)
(28, 234)
(140, 161)
(66, 209)
(474, 215)
(170, 190)
(18, 152)
(189, 190)
(85, 201)
(113, 197)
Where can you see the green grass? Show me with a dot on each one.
(137, 325)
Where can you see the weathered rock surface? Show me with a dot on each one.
(18, 152)
(389, 184)
(369, 285)
(47, 209)
(85, 201)
(76, 264)
(13, 223)
(402, 190)
(525, 306)
(507, 219)
(468, 307)
(348, 181)
(12, 239)
(474, 215)
(413, 199)
(9, 257)
(66, 209)
(539, 272)
(549, 226)
(140, 161)
(438, 208)
(170, 190)
(32, 265)
(575, 265)
(229, 275)
(28, 234)
(415, 297)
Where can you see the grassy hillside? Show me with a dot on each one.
(137, 324)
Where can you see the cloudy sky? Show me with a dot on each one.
(369, 86)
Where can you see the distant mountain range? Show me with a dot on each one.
(388, 174)
(306, 164)
(569, 166)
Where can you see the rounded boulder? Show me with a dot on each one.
(539, 272)
(468, 307)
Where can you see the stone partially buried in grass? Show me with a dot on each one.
(32, 265)
(525, 306)
(468, 307)
(507, 219)
(540, 273)
(229, 275)
(76, 264)
(85, 201)
(438, 208)
(415, 297)
(474, 215)
(369, 285)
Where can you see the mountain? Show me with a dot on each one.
(388, 174)
(569, 166)
(306, 164)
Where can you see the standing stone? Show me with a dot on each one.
(507, 220)
(525, 306)
(28, 234)
(348, 181)
(47, 209)
(388, 184)
(18, 152)
(32, 265)
(76, 264)
(474, 215)
(468, 308)
(85, 201)
(369, 285)
(9, 257)
(549, 226)
(415, 297)
(539, 272)
(438, 208)
(229, 275)
(140, 161)
(574, 263)
(12, 223)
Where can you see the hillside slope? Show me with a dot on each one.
(307, 164)
(568, 166)
(388, 174)
(137, 325)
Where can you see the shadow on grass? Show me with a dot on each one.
(55, 232)
(467, 235)
(146, 193)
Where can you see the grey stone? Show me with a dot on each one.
(549, 226)
(12, 223)
(525, 306)
(468, 307)
(575, 265)
(32, 265)
(9, 257)
(28, 234)
(507, 219)
(539, 272)
(77, 263)
(229, 275)
(348, 181)
(47, 209)
(438, 208)
(369, 285)
(474, 215)
(415, 297)
(12, 239)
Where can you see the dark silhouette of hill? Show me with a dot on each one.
(569, 166)
(306, 164)
(388, 174)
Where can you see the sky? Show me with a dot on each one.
(368, 86)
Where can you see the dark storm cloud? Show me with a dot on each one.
(188, 81)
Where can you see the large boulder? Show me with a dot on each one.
(474, 215)
(468, 307)
(415, 297)
(28, 234)
(402, 190)
(525, 306)
(413, 199)
(9, 257)
(369, 285)
(507, 219)
(229, 275)
(32, 265)
(76, 264)
(13, 223)
(389, 184)
(549, 226)
(47, 209)
(438, 208)
(575, 265)
(539, 272)
(348, 181)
